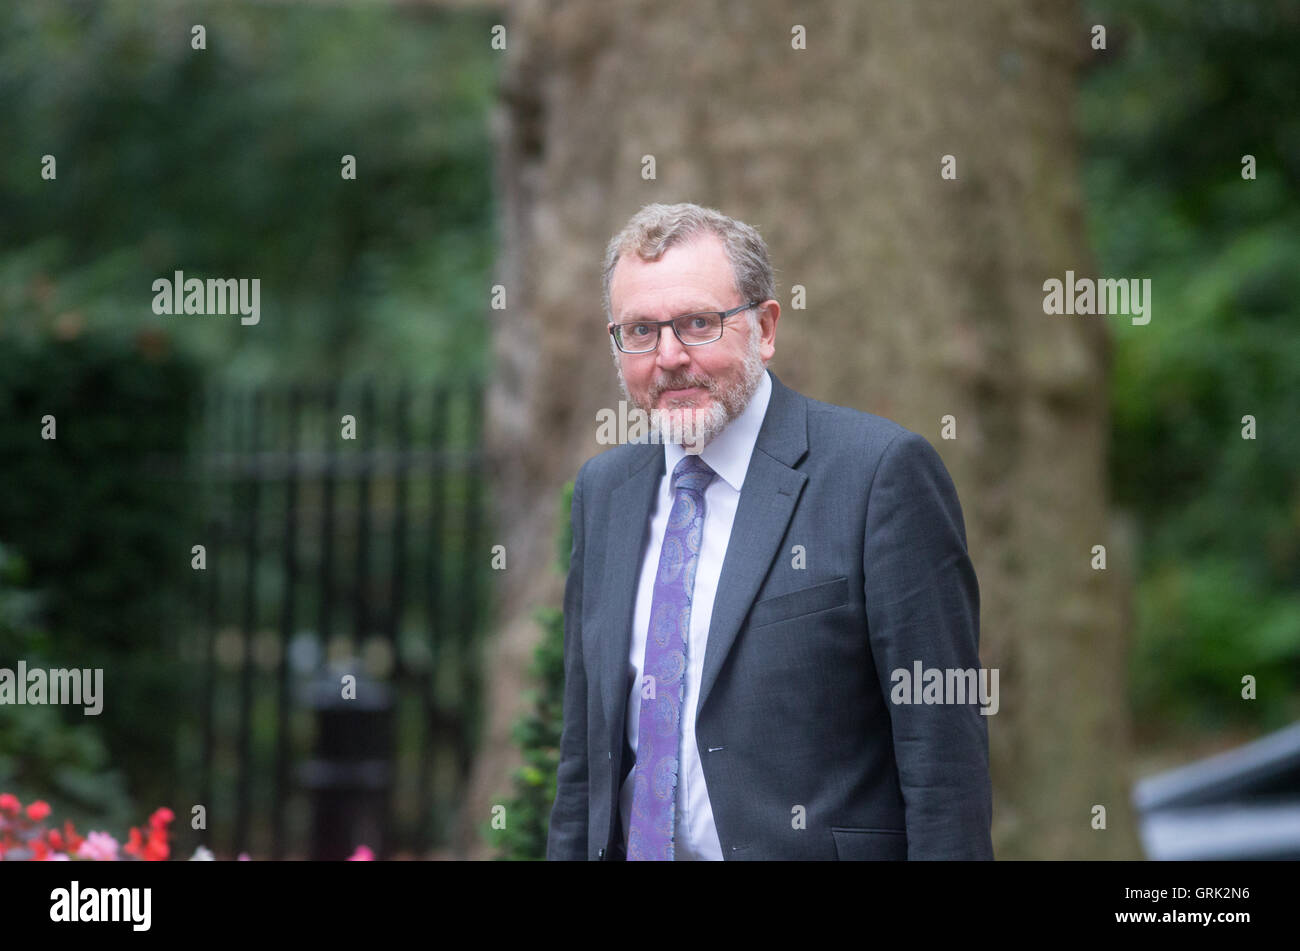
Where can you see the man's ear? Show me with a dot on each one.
(769, 313)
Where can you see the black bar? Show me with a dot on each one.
(397, 594)
(245, 729)
(289, 595)
(397, 590)
(434, 602)
(212, 545)
(331, 401)
(367, 423)
(472, 562)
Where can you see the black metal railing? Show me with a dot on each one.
(328, 556)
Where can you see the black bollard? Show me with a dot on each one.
(350, 777)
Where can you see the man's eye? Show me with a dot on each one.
(638, 330)
(699, 323)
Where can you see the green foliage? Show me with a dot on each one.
(104, 524)
(221, 163)
(538, 732)
(226, 162)
(1185, 92)
(46, 752)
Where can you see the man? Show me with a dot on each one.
(737, 615)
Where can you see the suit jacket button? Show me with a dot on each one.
(600, 854)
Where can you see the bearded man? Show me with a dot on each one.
(743, 588)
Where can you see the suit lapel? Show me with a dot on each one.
(624, 547)
(767, 500)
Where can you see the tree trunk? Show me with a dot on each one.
(924, 299)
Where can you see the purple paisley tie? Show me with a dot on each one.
(654, 789)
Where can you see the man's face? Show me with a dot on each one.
(704, 386)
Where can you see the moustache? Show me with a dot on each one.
(660, 388)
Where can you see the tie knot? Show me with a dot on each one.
(692, 474)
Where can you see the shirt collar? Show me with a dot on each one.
(728, 453)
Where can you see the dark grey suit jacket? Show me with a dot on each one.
(794, 707)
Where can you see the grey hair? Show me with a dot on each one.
(657, 227)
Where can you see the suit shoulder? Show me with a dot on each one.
(614, 463)
(842, 435)
(855, 430)
(846, 439)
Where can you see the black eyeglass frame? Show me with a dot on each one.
(722, 316)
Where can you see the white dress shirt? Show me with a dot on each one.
(727, 454)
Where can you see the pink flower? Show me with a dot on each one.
(38, 810)
(58, 857)
(362, 854)
(99, 846)
(243, 857)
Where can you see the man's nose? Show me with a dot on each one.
(671, 352)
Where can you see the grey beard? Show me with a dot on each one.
(694, 428)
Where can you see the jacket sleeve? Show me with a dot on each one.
(567, 835)
(922, 602)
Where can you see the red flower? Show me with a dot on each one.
(23, 828)
(156, 850)
(70, 834)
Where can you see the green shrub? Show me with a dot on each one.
(102, 515)
(538, 732)
(46, 752)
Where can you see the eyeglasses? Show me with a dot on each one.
(693, 330)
